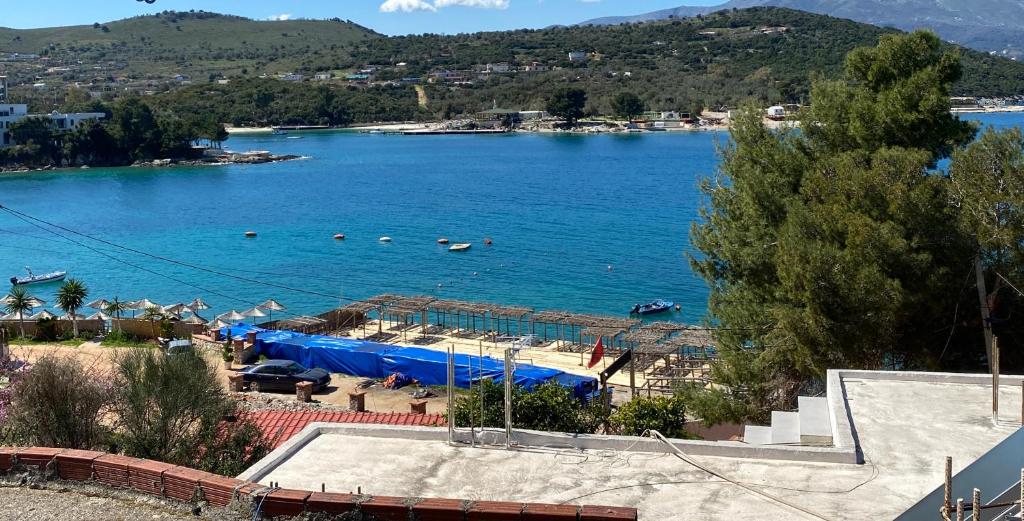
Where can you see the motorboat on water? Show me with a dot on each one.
(278, 132)
(54, 276)
(651, 308)
(462, 246)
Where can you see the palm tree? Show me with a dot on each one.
(152, 314)
(115, 308)
(70, 298)
(20, 301)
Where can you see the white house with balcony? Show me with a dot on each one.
(11, 113)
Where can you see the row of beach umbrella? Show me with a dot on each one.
(175, 311)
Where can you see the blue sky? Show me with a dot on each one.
(385, 16)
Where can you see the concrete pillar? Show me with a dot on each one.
(357, 401)
(250, 337)
(235, 383)
(418, 407)
(215, 335)
(304, 392)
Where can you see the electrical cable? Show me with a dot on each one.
(682, 455)
(956, 311)
(147, 270)
(29, 218)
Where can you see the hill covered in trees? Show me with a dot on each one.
(764, 54)
(985, 25)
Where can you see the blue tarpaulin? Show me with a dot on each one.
(377, 360)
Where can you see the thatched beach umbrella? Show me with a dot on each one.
(195, 320)
(142, 304)
(231, 316)
(219, 324)
(44, 314)
(271, 306)
(254, 313)
(98, 304)
(198, 304)
(175, 309)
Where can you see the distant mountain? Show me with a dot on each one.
(985, 25)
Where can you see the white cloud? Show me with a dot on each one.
(280, 17)
(407, 6)
(484, 4)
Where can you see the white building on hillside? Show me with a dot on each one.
(11, 113)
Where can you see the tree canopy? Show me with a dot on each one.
(567, 103)
(836, 246)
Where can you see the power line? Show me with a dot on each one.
(29, 218)
(117, 259)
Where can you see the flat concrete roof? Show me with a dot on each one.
(904, 427)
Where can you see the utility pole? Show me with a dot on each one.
(508, 398)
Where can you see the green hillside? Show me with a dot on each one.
(195, 43)
(765, 54)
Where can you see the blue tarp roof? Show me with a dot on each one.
(377, 360)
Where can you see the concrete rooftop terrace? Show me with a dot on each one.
(904, 424)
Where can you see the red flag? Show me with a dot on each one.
(597, 355)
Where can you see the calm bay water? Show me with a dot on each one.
(560, 210)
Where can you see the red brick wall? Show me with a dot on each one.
(185, 484)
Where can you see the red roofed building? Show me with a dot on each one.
(280, 426)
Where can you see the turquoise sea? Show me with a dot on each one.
(579, 223)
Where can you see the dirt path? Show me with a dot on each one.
(421, 95)
(99, 359)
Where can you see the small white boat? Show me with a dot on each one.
(32, 278)
(462, 246)
(385, 239)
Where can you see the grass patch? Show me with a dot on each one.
(122, 339)
(75, 342)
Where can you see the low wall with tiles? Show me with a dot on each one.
(190, 485)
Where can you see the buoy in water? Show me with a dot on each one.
(250, 234)
(339, 236)
(442, 240)
(609, 267)
(385, 239)
(475, 274)
(488, 241)
(678, 307)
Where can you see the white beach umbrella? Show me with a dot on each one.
(69, 316)
(254, 313)
(272, 306)
(11, 316)
(198, 304)
(143, 304)
(36, 302)
(231, 316)
(43, 315)
(99, 315)
(219, 324)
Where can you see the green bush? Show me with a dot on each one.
(47, 330)
(666, 415)
(549, 407)
(59, 403)
(167, 406)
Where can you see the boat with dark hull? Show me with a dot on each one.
(651, 308)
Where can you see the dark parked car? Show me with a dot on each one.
(282, 375)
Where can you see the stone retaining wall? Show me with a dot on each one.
(190, 485)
